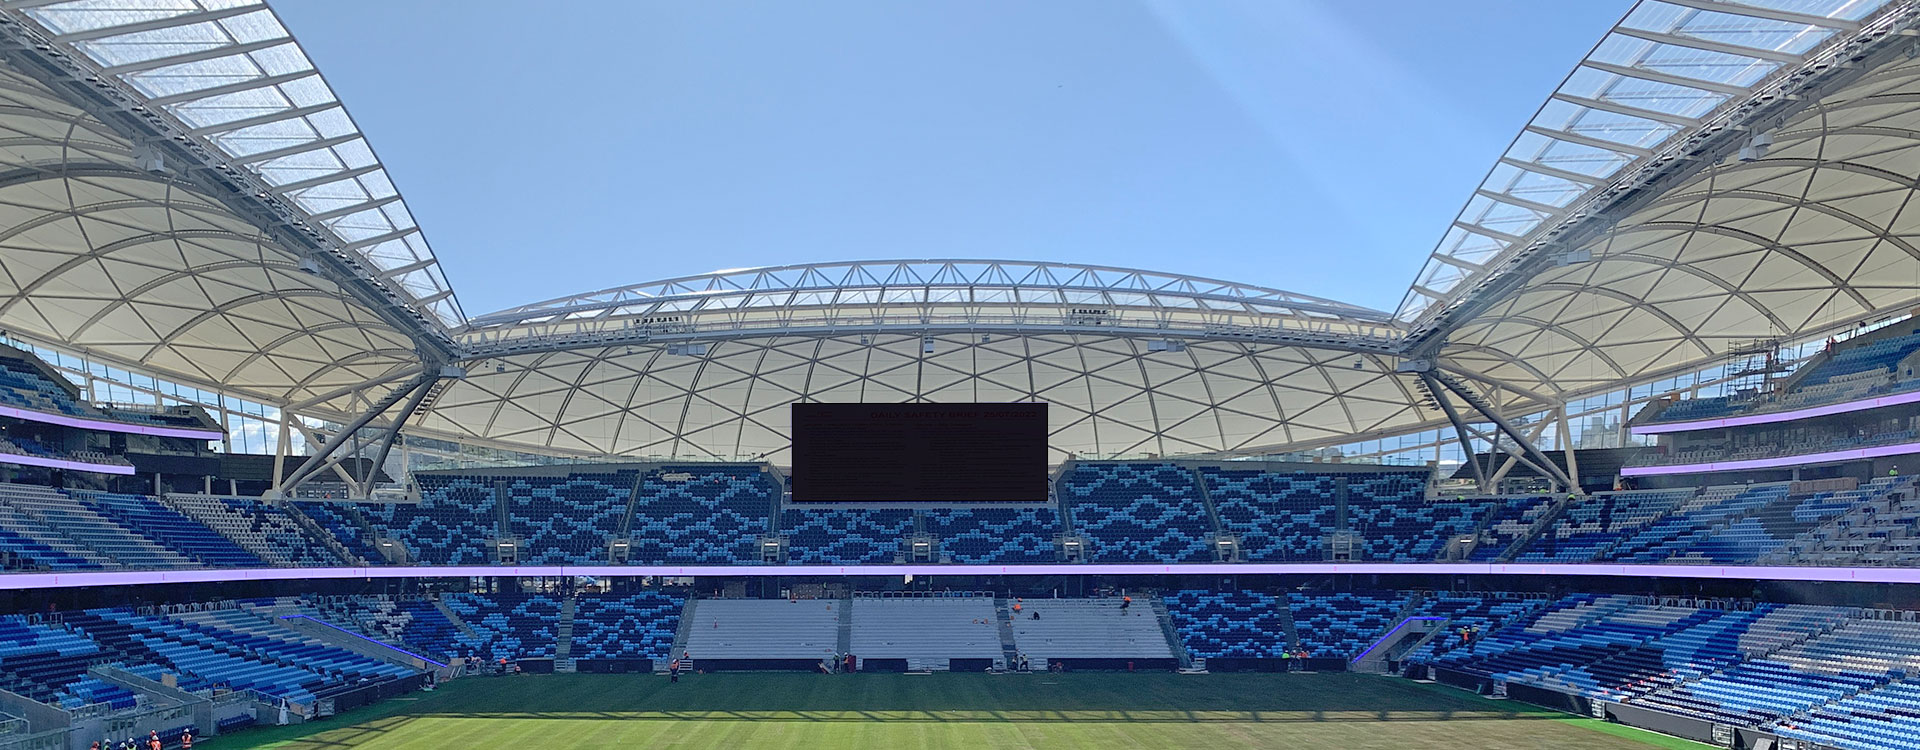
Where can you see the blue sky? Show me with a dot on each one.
(561, 148)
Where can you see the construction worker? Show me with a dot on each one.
(186, 740)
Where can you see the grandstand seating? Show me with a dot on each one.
(568, 520)
(1482, 613)
(718, 516)
(1855, 655)
(1772, 526)
(1154, 513)
(49, 664)
(345, 523)
(764, 629)
(701, 515)
(1512, 518)
(1276, 517)
(1413, 529)
(264, 529)
(1592, 524)
(1576, 630)
(414, 624)
(31, 545)
(1138, 512)
(1875, 529)
(1700, 648)
(1340, 625)
(108, 542)
(25, 386)
(168, 528)
(1228, 624)
(1392, 516)
(1882, 718)
(1693, 521)
(235, 648)
(1876, 358)
(1708, 407)
(1850, 373)
(629, 626)
(1087, 629)
(455, 522)
(508, 626)
(844, 536)
(927, 632)
(974, 536)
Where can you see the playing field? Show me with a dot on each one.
(1046, 712)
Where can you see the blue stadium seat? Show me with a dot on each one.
(1276, 517)
(1512, 518)
(1007, 536)
(455, 522)
(1597, 522)
(844, 536)
(1228, 624)
(1138, 512)
(627, 626)
(345, 523)
(568, 520)
(170, 529)
(701, 515)
(510, 626)
(1340, 625)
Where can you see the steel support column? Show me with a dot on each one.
(1460, 431)
(1544, 465)
(319, 460)
(1566, 447)
(393, 432)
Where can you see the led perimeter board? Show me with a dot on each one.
(930, 453)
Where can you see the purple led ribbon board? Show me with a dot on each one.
(105, 426)
(1397, 628)
(1851, 454)
(1783, 416)
(19, 581)
(61, 463)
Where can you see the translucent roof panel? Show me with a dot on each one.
(1030, 281)
(1659, 73)
(1109, 394)
(235, 81)
(928, 292)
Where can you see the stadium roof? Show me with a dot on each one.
(185, 196)
(1775, 211)
(182, 193)
(1132, 361)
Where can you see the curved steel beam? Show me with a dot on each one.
(883, 273)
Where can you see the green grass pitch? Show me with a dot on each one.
(973, 711)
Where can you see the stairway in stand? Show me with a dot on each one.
(1174, 643)
(563, 637)
(1287, 625)
(846, 624)
(454, 617)
(1003, 621)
